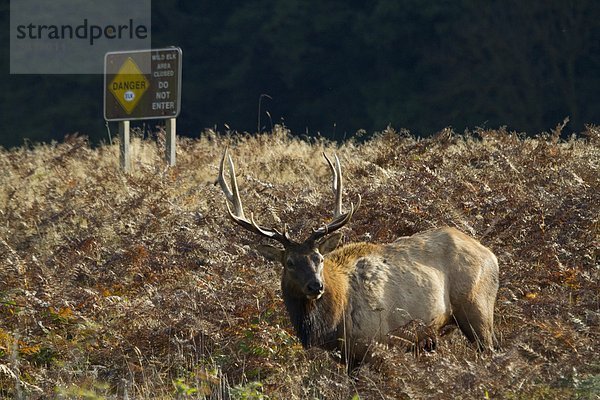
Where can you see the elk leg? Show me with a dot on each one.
(476, 325)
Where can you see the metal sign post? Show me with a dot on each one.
(171, 139)
(124, 157)
(143, 84)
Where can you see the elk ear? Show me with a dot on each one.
(271, 253)
(330, 243)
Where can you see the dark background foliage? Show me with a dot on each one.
(335, 67)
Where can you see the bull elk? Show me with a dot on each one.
(346, 297)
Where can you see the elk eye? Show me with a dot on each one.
(290, 264)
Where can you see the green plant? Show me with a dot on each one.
(182, 389)
(249, 391)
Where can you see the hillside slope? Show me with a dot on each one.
(116, 285)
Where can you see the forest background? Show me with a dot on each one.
(336, 67)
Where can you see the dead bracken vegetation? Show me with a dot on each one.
(138, 285)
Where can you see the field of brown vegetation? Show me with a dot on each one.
(124, 286)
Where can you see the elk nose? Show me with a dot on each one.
(315, 287)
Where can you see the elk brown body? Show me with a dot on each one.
(348, 297)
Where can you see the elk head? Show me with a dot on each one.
(302, 261)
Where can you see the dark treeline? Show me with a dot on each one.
(334, 67)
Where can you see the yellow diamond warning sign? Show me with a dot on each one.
(142, 84)
(129, 85)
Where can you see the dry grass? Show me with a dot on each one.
(138, 286)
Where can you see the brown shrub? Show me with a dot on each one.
(114, 284)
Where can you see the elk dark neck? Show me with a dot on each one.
(313, 320)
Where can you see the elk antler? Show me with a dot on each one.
(233, 196)
(339, 219)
